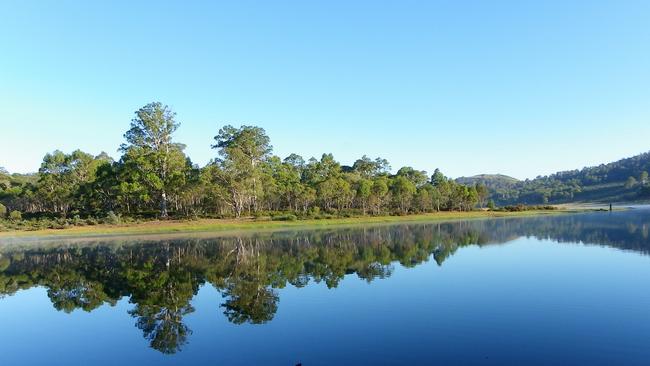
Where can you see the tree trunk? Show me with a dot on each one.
(163, 204)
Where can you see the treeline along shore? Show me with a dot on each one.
(155, 179)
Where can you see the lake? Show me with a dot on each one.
(545, 290)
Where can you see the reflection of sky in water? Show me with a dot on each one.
(529, 301)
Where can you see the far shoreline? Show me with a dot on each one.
(221, 227)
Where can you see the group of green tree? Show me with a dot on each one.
(154, 177)
(623, 180)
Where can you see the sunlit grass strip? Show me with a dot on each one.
(246, 224)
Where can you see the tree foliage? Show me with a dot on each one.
(154, 178)
(157, 162)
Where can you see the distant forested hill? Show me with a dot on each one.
(623, 180)
(495, 182)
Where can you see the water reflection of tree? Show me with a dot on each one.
(162, 294)
(163, 325)
(71, 291)
(246, 289)
(160, 279)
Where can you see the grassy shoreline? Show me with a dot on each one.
(217, 226)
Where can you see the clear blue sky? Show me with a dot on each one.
(515, 87)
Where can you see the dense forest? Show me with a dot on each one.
(621, 181)
(155, 178)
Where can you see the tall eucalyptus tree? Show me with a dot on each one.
(150, 150)
(242, 152)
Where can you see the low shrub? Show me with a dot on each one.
(520, 207)
(112, 219)
(77, 221)
(285, 217)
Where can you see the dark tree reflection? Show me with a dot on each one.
(162, 326)
(161, 277)
(249, 302)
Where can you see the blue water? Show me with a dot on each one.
(569, 289)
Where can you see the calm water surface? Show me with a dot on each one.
(569, 289)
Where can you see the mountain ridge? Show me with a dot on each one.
(621, 180)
